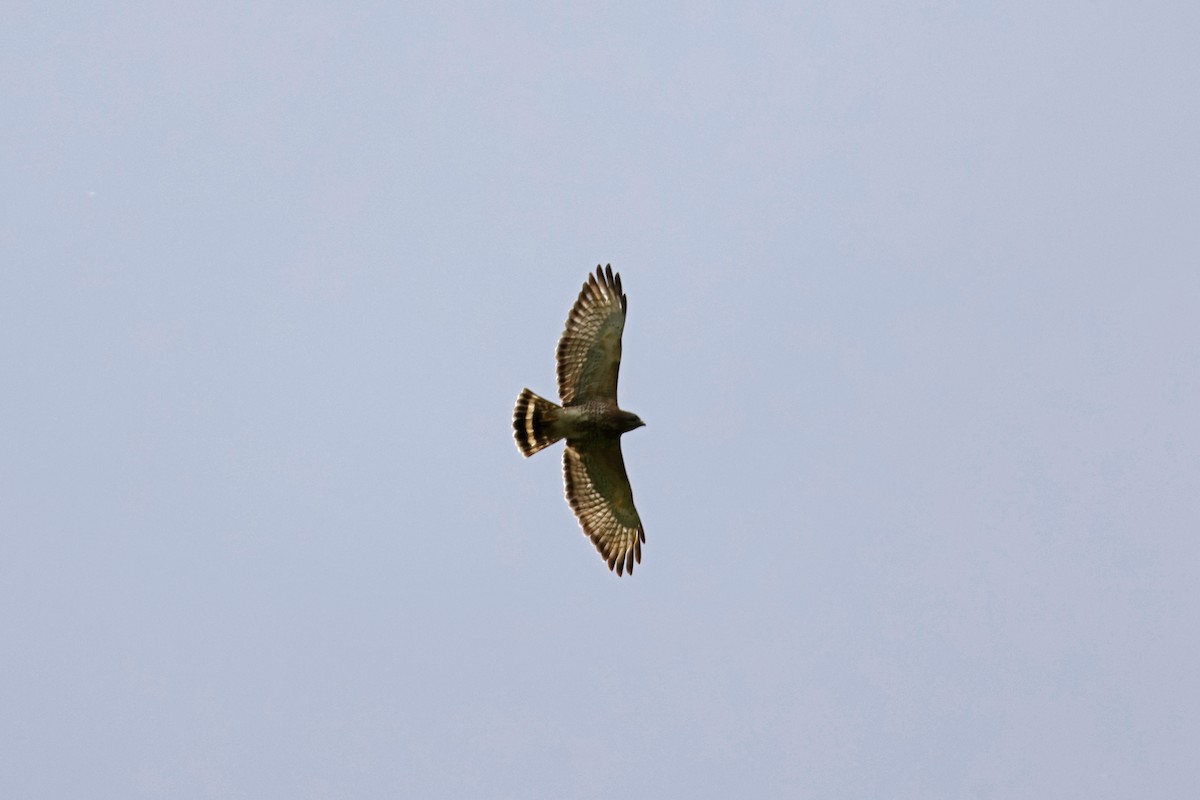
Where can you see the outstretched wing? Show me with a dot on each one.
(599, 493)
(589, 352)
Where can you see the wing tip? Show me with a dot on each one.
(622, 563)
(607, 282)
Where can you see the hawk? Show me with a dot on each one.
(589, 355)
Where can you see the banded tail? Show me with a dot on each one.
(533, 423)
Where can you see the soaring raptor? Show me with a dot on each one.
(589, 355)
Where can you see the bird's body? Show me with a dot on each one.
(589, 358)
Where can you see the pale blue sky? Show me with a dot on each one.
(914, 321)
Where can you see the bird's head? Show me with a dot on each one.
(629, 421)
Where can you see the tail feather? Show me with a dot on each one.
(533, 423)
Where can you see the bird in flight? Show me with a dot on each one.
(589, 356)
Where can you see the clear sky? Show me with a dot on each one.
(914, 323)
